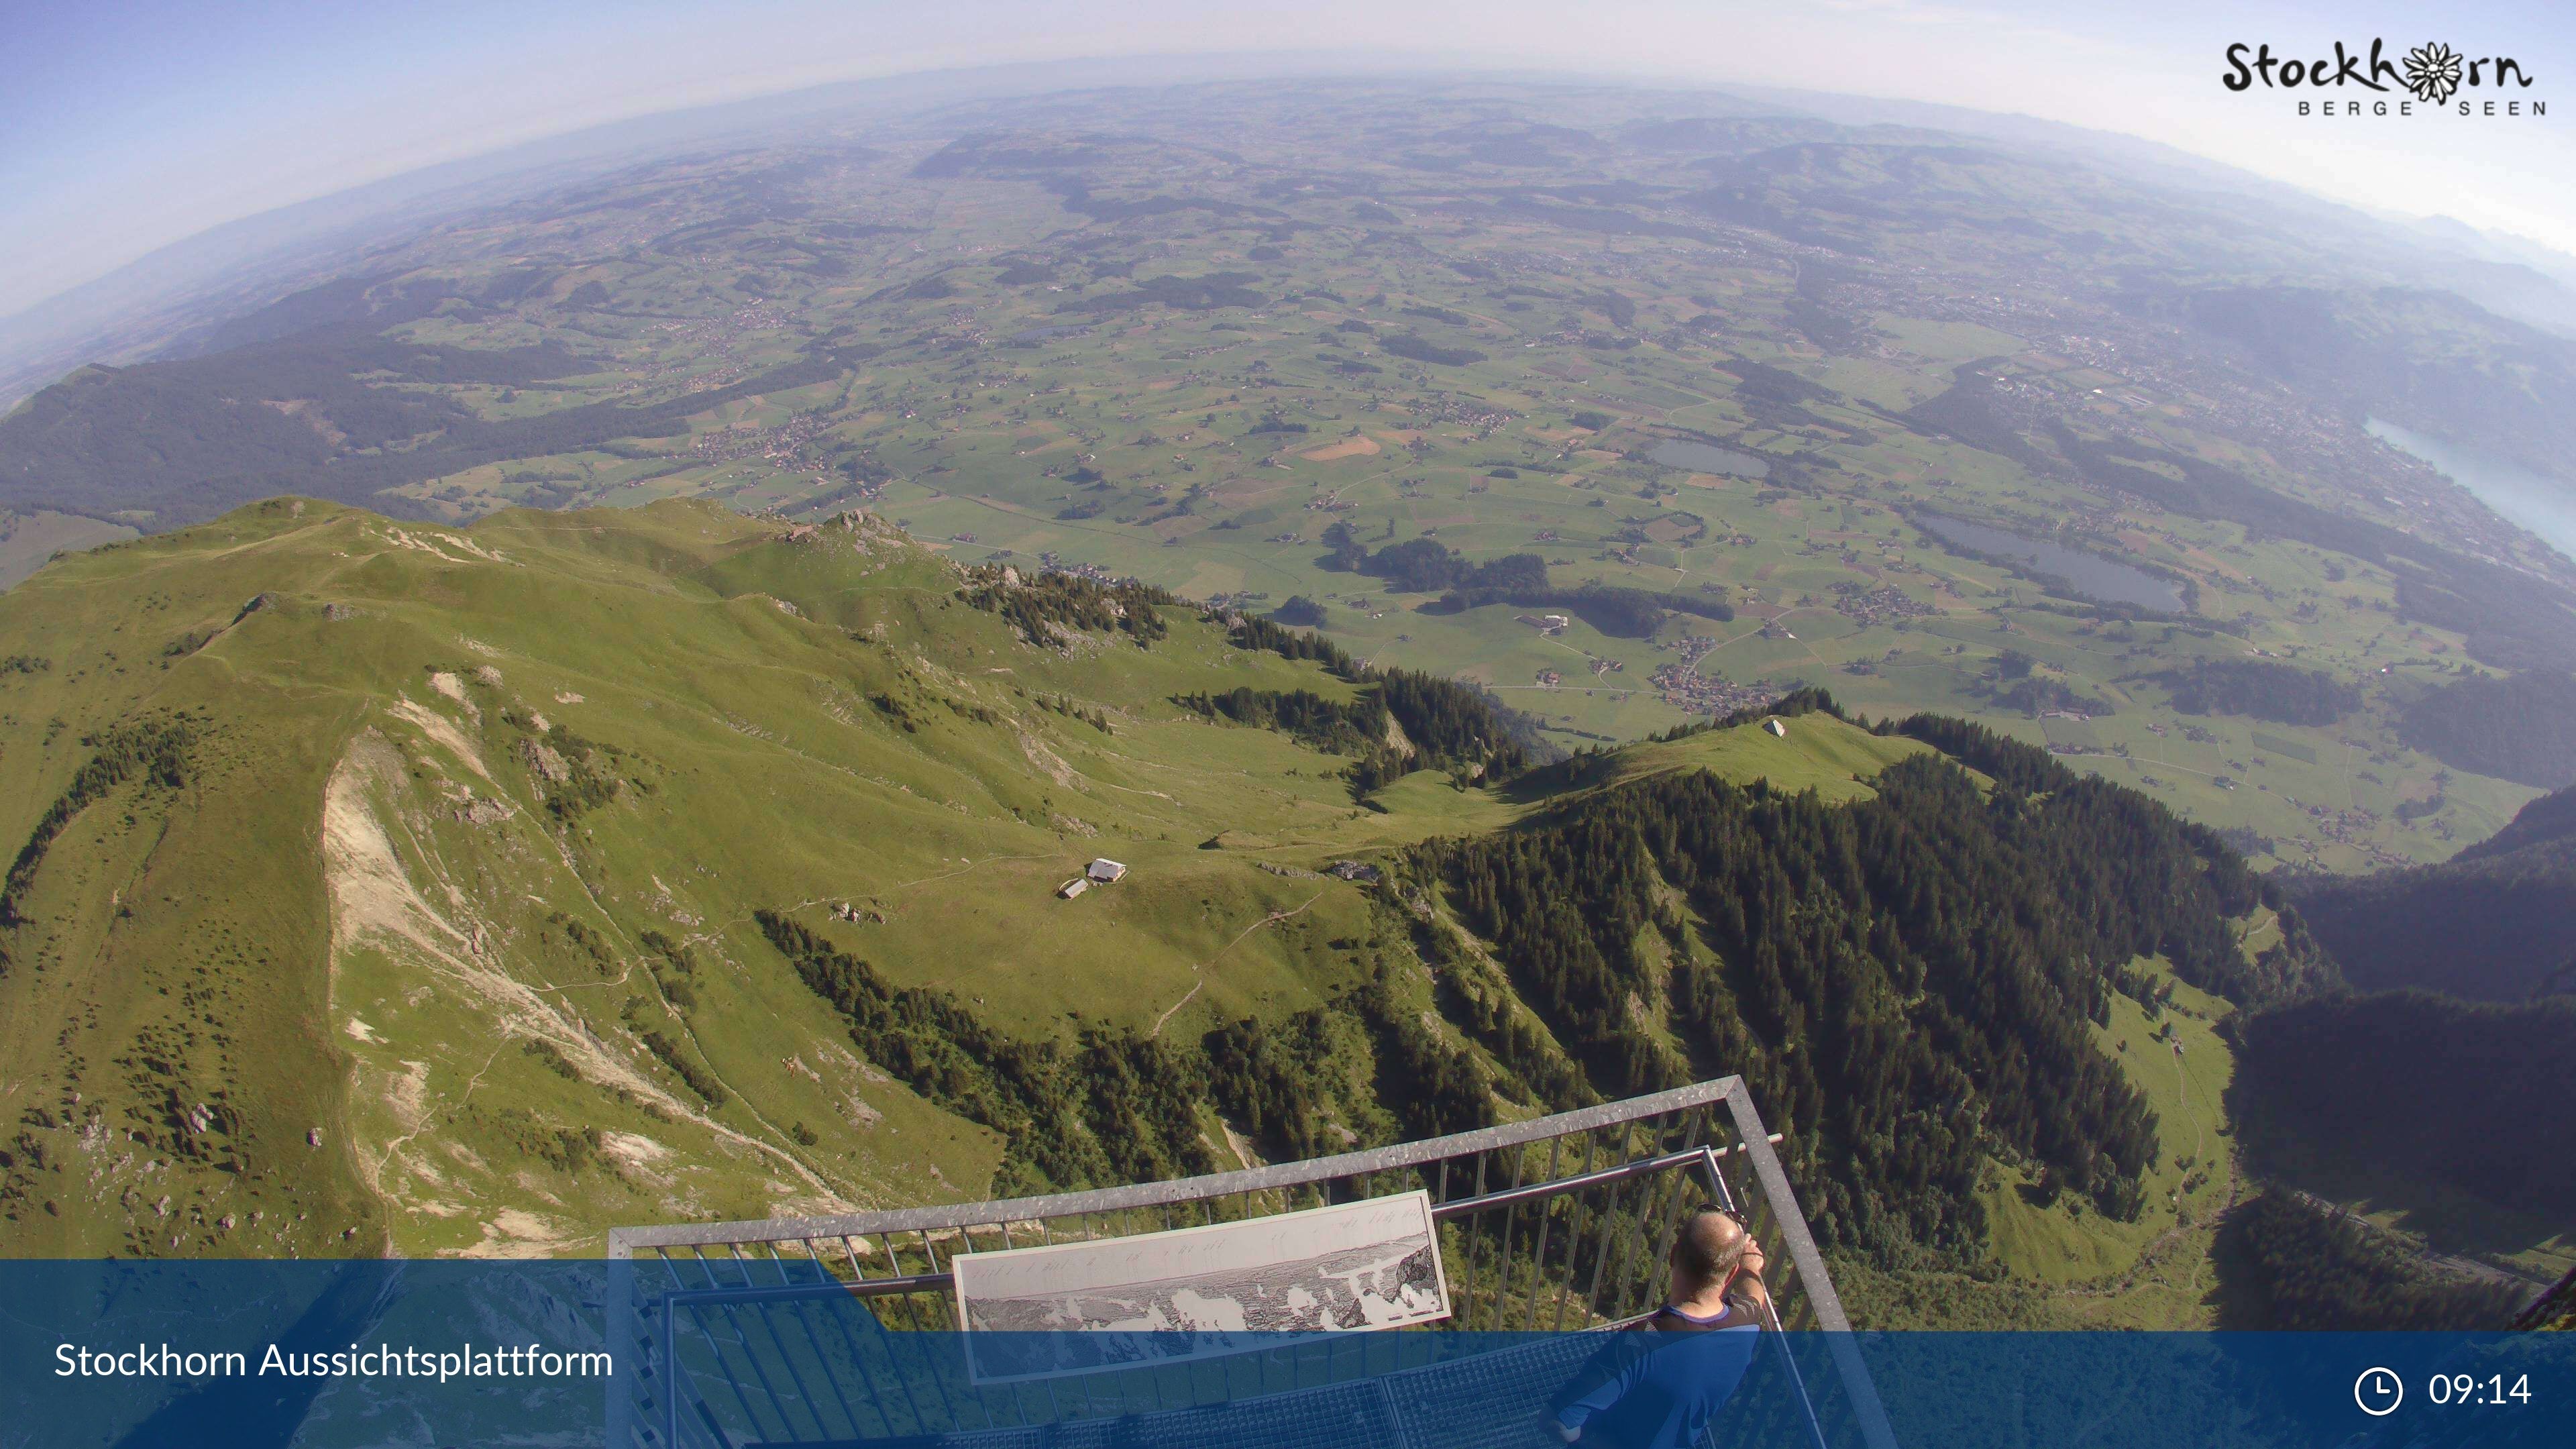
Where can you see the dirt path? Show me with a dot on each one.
(1176, 1006)
(1200, 970)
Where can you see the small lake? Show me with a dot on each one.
(1708, 458)
(2544, 505)
(2090, 575)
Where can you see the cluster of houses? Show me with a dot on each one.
(1103, 871)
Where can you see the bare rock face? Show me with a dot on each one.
(484, 810)
(487, 676)
(544, 761)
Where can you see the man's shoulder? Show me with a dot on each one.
(1741, 1313)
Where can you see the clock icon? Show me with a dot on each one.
(2378, 1391)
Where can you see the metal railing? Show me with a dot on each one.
(796, 1330)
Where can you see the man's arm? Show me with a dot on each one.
(1748, 1277)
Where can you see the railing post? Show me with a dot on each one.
(1822, 1301)
(623, 1381)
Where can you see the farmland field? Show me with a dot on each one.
(584, 709)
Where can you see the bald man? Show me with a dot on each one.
(1704, 1340)
(1716, 1277)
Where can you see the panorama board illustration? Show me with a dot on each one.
(1186, 1293)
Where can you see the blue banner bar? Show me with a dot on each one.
(349, 1354)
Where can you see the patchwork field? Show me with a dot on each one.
(584, 712)
(1226, 379)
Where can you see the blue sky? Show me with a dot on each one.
(129, 124)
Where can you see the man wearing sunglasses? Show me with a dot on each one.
(1661, 1390)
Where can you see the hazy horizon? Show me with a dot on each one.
(136, 127)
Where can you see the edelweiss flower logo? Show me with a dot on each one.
(2432, 72)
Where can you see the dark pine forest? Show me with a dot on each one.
(1907, 981)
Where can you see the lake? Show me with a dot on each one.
(2544, 505)
(2092, 576)
(1707, 458)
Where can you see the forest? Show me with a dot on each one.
(1119, 1107)
(1042, 607)
(2480, 1094)
(2491, 923)
(1908, 979)
(1309, 718)
(2521, 728)
(1617, 612)
(2261, 689)
(323, 412)
(2285, 1263)
(1422, 565)
(1449, 725)
(1299, 612)
(1421, 349)
(1910, 983)
(1192, 294)
(153, 747)
(1112, 1107)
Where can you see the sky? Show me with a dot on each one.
(126, 125)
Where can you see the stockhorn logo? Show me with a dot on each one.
(2433, 72)
(2431, 75)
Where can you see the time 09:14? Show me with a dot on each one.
(2470, 1389)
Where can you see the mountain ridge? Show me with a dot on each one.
(441, 909)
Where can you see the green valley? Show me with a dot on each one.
(934, 652)
(1686, 406)
(396, 887)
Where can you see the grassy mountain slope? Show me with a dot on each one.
(395, 886)
(461, 824)
(390, 887)
(2151, 1272)
(1819, 752)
